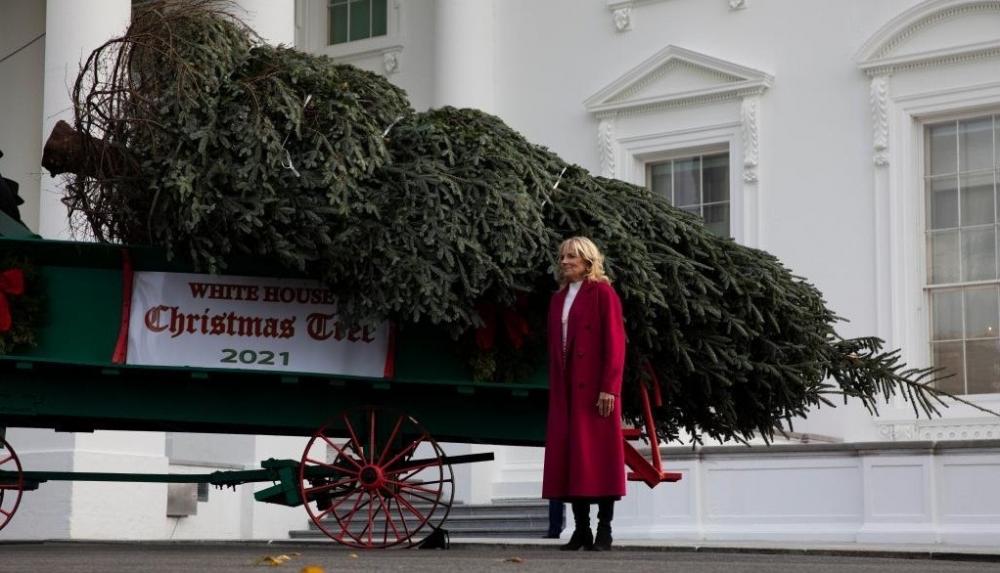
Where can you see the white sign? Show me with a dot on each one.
(253, 323)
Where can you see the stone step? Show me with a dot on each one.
(453, 522)
(503, 518)
(524, 533)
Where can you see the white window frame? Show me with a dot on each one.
(347, 5)
(312, 32)
(901, 107)
(687, 153)
(634, 153)
(929, 288)
(903, 218)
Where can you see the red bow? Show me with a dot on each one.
(11, 282)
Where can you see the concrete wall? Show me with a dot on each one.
(914, 492)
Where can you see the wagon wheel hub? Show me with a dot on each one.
(371, 477)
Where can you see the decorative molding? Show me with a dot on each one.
(958, 431)
(680, 101)
(749, 127)
(898, 432)
(942, 57)
(734, 81)
(737, 4)
(876, 58)
(939, 430)
(390, 61)
(917, 18)
(625, 146)
(623, 18)
(879, 98)
(606, 143)
(621, 12)
(380, 52)
(669, 66)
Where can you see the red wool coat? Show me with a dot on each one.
(584, 455)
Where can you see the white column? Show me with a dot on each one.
(45, 513)
(73, 30)
(463, 54)
(463, 77)
(274, 20)
(21, 100)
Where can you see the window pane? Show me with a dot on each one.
(687, 182)
(944, 202)
(659, 179)
(977, 199)
(975, 144)
(948, 355)
(943, 149)
(360, 19)
(944, 257)
(946, 315)
(379, 19)
(696, 210)
(338, 23)
(979, 254)
(715, 177)
(982, 360)
(717, 218)
(981, 312)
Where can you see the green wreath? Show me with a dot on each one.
(21, 304)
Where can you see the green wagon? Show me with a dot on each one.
(368, 464)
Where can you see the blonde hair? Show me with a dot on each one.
(588, 251)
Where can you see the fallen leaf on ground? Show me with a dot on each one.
(514, 560)
(273, 560)
(354, 555)
(312, 569)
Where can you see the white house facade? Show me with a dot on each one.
(856, 140)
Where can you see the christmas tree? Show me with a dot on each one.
(193, 135)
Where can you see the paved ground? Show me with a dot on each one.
(224, 558)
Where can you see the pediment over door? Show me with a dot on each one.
(676, 76)
(934, 32)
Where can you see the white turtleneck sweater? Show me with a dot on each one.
(574, 287)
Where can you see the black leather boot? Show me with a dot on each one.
(605, 513)
(603, 540)
(582, 538)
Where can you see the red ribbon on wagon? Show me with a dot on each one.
(513, 321)
(11, 283)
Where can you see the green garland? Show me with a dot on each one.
(26, 309)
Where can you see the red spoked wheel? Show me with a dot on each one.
(11, 483)
(375, 478)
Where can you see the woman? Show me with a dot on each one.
(584, 454)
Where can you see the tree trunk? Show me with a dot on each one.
(69, 151)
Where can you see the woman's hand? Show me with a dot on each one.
(605, 404)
